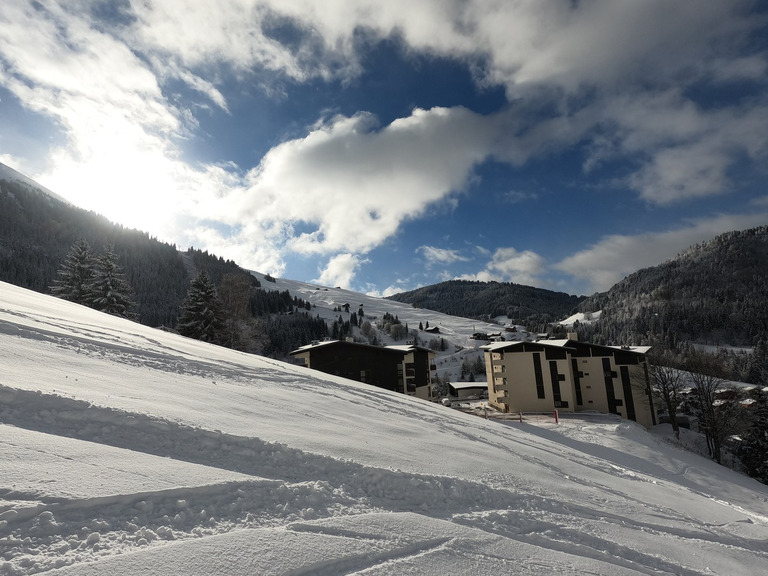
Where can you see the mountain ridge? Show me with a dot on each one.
(483, 300)
(714, 292)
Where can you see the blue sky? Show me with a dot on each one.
(382, 146)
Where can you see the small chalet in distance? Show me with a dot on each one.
(407, 369)
(569, 376)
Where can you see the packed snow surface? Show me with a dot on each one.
(127, 450)
(582, 318)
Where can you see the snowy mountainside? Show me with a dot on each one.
(712, 293)
(475, 299)
(581, 318)
(130, 450)
(456, 331)
(8, 173)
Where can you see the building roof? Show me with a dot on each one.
(515, 343)
(564, 343)
(408, 347)
(636, 349)
(401, 348)
(314, 345)
(466, 385)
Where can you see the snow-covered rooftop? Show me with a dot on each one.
(564, 343)
(466, 385)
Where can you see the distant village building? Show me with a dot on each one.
(569, 376)
(467, 390)
(406, 369)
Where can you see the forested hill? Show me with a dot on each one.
(37, 231)
(470, 299)
(712, 293)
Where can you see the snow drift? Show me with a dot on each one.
(133, 451)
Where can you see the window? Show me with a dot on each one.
(556, 379)
(539, 375)
(577, 376)
(627, 388)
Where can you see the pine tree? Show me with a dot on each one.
(753, 451)
(235, 295)
(75, 274)
(109, 290)
(201, 314)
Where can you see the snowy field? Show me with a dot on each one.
(324, 299)
(126, 450)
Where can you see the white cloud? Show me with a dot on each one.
(518, 196)
(388, 291)
(200, 34)
(519, 44)
(440, 256)
(616, 255)
(355, 185)
(511, 265)
(683, 172)
(686, 151)
(340, 271)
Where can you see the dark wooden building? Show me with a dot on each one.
(406, 369)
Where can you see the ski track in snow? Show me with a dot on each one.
(487, 523)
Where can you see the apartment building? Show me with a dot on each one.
(407, 369)
(569, 376)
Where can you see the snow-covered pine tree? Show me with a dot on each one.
(753, 451)
(202, 315)
(75, 273)
(109, 290)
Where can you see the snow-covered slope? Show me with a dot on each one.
(126, 450)
(8, 173)
(456, 331)
(582, 318)
(325, 298)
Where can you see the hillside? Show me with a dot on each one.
(37, 230)
(713, 293)
(130, 451)
(523, 305)
(454, 332)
